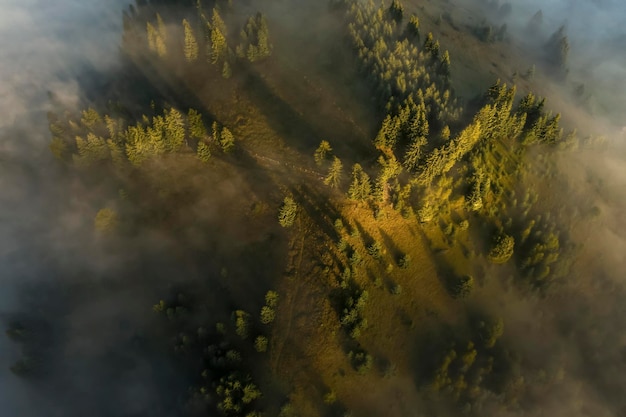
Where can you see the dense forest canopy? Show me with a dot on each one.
(319, 209)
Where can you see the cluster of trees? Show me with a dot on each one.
(95, 139)
(471, 372)
(395, 66)
(224, 380)
(254, 44)
(205, 36)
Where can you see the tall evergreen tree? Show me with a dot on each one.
(191, 45)
(333, 179)
(361, 186)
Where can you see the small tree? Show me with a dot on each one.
(321, 152)
(106, 221)
(502, 249)
(260, 344)
(242, 323)
(288, 212)
(204, 152)
(333, 179)
(191, 45)
(268, 315)
(226, 140)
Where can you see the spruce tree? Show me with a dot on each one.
(191, 45)
(333, 179)
(361, 186)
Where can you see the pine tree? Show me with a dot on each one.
(361, 186)
(227, 140)
(218, 45)
(321, 152)
(413, 28)
(191, 45)
(414, 154)
(333, 179)
(227, 72)
(204, 152)
(197, 130)
(287, 214)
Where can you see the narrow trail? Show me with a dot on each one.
(292, 302)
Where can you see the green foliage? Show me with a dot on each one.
(333, 179)
(502, 250)
(413, 28)
(227, 140)
(361, 361)
(106, 221)
(375, 250)
(268, 314)
(405, 261)
(255, 44)
(260, 344)
(197, 130)
(288, 212)
(272, 298)
(191, 45)
(321, 152)
(204, 152)
(242, 323)
(235, 393)
(351, 317)
(361, 187)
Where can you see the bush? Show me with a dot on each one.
(405, 261)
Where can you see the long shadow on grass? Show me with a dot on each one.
(281, 116)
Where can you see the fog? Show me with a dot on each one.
(98, 365)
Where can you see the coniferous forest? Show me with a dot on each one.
(329, 208)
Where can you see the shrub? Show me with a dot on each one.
(405, 261)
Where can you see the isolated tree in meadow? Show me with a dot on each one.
(333, 179)
(321, 152)
(191, 45)
(288, 212)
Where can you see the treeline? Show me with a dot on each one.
(224, 352)
(204, 37)
(95, 139)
